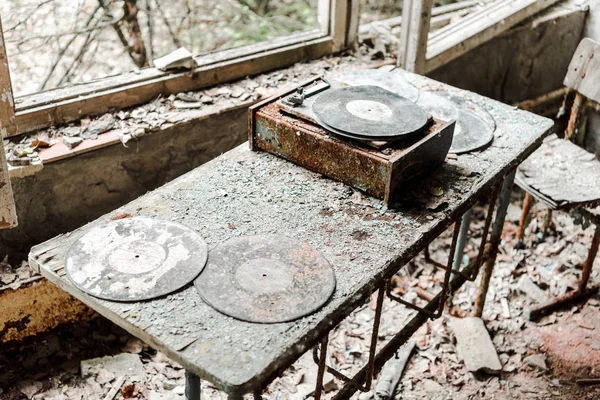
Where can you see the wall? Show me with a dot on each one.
(69, 193)
(524, 63)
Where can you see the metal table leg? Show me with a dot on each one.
(494, 242)
(192, 386)
(462, 238)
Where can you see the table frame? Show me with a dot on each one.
(362, 380)
(47, 258)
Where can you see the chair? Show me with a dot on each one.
(564, 176)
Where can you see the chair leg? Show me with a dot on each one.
(527, 204)
(581, 293)
(547, 223)
(572, 125)
(589, 262)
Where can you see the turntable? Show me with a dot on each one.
(366, 136)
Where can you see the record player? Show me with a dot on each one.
(363, 135)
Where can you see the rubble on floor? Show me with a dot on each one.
(539, 360)
(474, 345)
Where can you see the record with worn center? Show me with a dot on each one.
(135, 259)
(266, 279)
(474, 127)
(370, 113)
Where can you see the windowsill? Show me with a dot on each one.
(162, 115)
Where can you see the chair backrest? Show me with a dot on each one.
(583, 74)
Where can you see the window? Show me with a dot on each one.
(423, 51)
(54, 43)
(287, 31)
(231, 40)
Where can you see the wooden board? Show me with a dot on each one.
(249, 193)
(413, 38)
(583, 74)
(8, 127)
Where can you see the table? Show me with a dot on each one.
(249, 193)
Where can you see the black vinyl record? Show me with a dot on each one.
(369, 113)
(265, 279)
(474, 129)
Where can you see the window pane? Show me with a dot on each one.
(53, 43)
(375, 10)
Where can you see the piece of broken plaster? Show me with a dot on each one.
(180, 58)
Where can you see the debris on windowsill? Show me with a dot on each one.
(180, 58)
(123, 126)
(92, 128)
(72, 141)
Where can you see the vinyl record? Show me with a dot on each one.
(266, 279)
(369, 113)
(135, 259)
(474, 127)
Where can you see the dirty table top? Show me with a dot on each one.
(250, 193)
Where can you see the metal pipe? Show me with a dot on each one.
(322, 364)
(494, 242)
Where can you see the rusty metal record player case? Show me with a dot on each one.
(365, 136)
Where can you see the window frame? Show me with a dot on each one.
(61, 105)
(424, 51)
(420, 51)
(8, 211)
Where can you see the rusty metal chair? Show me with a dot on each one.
(562, 175)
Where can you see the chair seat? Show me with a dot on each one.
(561, 174)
